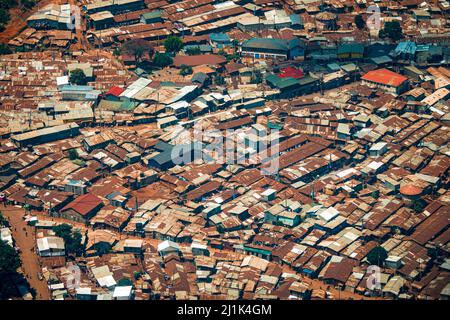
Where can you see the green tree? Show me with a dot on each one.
(28, 4)
(162, 60)
(192, 51)
(257, 77)
(7, 287)
(73, 154)
(8, 4)
(418, 205)
(72, 240)
(3, 221)
(392, 30)
(9, 259)
(33, 292)
(103, 248)
(137, 48)
(219, 80)
(233, 56)
(63, 230)
(74, 245)
(185, 70)
(137, 275)
(4, 49)
(78, 77)
(117, 51)
(377, 255)
(4, 17)
(359, 21)
(173, 44)
(124, 282)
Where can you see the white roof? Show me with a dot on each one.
(135, 243)
(48, 243)
(178, 105)
(345, 172)
(63, 80)
(85, 290)
(268, 192)
(6, 236)
(168, 244)
(329, 214)
(107, 281)
(135, 87)
(378, 146)
(181, 94)
(101, 272)
(197, 245)
(122, 291)
(375, 165)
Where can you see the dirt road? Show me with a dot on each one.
(24, 237)
(19, 18)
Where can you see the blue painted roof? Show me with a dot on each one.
(423, 47)
(69, 87)
(407, 47)
(295, 19)
(333, 66)
(219, 37)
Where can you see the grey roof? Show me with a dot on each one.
(271, 43)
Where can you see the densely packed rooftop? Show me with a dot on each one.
(334, 153)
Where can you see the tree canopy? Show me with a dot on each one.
(103, 248)
(73, 154)
(162, 60)
(3, 221)
(78, 77)
(9, 259)
(4, 49)
(219, 80)
(173, 44)
(72, 239)
(185, 70)
(4, 17)
(192, 51)
(377, 255)
(359, 21)
(124, 282)
(8, 4)
(392, 30)
(137, 48)
(257, 77)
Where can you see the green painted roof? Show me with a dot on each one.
(152, 15)
(281, 83)
(351, 48)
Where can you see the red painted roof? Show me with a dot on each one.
(115, 91)
(410, 190)
(385, 76)
(197, 60)
(291, 72)
(84, 204)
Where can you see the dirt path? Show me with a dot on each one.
(24, 237)
(19, 18)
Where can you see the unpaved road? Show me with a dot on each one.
(24, 237)
(19, 18)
